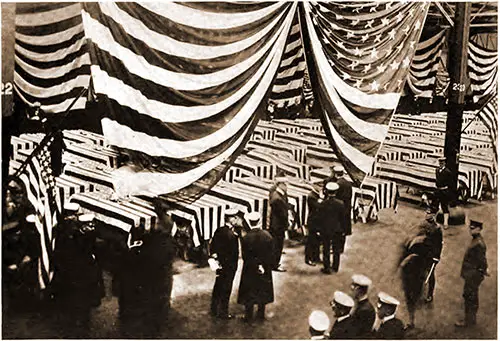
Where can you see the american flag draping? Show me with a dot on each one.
(360, 56)
(287, 88)
(483, 68)
(184, 83)
(52, 64)
(41, 193)
(489, 116)
(424, 67)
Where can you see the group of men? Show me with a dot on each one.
(329, 220)
(356, 318)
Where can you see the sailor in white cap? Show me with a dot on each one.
(444, 181)
(278, 224)
(224, 250)
(256, 285)
(333, 230)
(342, 305)
(364, 312)
(318, 324)
(387, 326)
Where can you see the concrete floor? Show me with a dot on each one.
(371, 250)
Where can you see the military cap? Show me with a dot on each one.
(71, 206)
(86, 217)
(231, 212)
(253, 218)
(361, 280)
(280, 179)
(30, 218)
(319, 321)
(474, 224)
(338, 170)
(387, 299)
(332, 186)
(342, 299)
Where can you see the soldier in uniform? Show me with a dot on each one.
(443, 185)
(333, 232)
(318, 325)
(279, 219)
(387, 326)
(364, 312)
(342, 327)
(225, 250)
(474, 269)
(314, 199)
(432, 252)
(344, 193)
(256, 285)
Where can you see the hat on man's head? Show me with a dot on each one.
(474, 224)
(342, 299)
(338, 170)
(387, 299)
(253, 219)
(71, 207)
(280, 179)
(86, 217)
(231, 212)
(319, 321)
(30, 218)
(361, 280)
(332, 186)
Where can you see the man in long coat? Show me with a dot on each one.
(344, 193)
(474, 269)
(224, 248)
(444, 180)
(333, 230)
(279, 219)
(313, 238)
(364, 312)
(256, 286)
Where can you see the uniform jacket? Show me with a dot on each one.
(313, 206)
(443, 177)
(363, 319)
(255, 287)
(342, 330)
(475, 264)
(279, 212)
(225, 245)
(331, 217)
(344, 193)
(390, 330)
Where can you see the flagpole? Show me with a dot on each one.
(47, 137)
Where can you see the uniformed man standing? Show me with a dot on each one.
(364, 313)
(474, 269)
(444, 181)
(314, 199)
(256, 286)
(342, 327)
(225, 250)
(434, 246)
(279, 219)
(344, 193)
(331, 216)
(387, 326)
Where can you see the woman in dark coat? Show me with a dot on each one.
(256, 286)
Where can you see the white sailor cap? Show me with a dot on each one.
(341, 298)
(385, 298)
(253, 218)
(231, 212)
(361, 280)
(338, 169)
(319, 321)
(281, 179)
(332, 186)
(86, 217)
(71, 206)
(30, 218)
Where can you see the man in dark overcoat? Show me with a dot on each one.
(387, 326)
(256, 286)
(432, 250)
(474, 269)
(364, 312)
(344, 193)
(444, 180)
(224, 249)
(342, 327)
(279, 219)
(313, 241)
(333, 230)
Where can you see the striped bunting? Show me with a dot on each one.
(489, 116)
(423, 70)
(360, 57)
(287, 88)
(52, 63)
(483, 69)
(183, 84)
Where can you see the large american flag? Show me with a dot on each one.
(46, 202)
(184, 84)
(360, 55)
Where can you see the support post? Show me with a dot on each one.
(458, 68)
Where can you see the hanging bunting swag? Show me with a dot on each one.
(183, 83)
(359, 55)
(483, 68)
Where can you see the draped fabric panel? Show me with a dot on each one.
(483, 69)
(360, 55)
(183, 84)
(423, 70)
(52, 63)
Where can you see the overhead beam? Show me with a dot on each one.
(444, 13)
